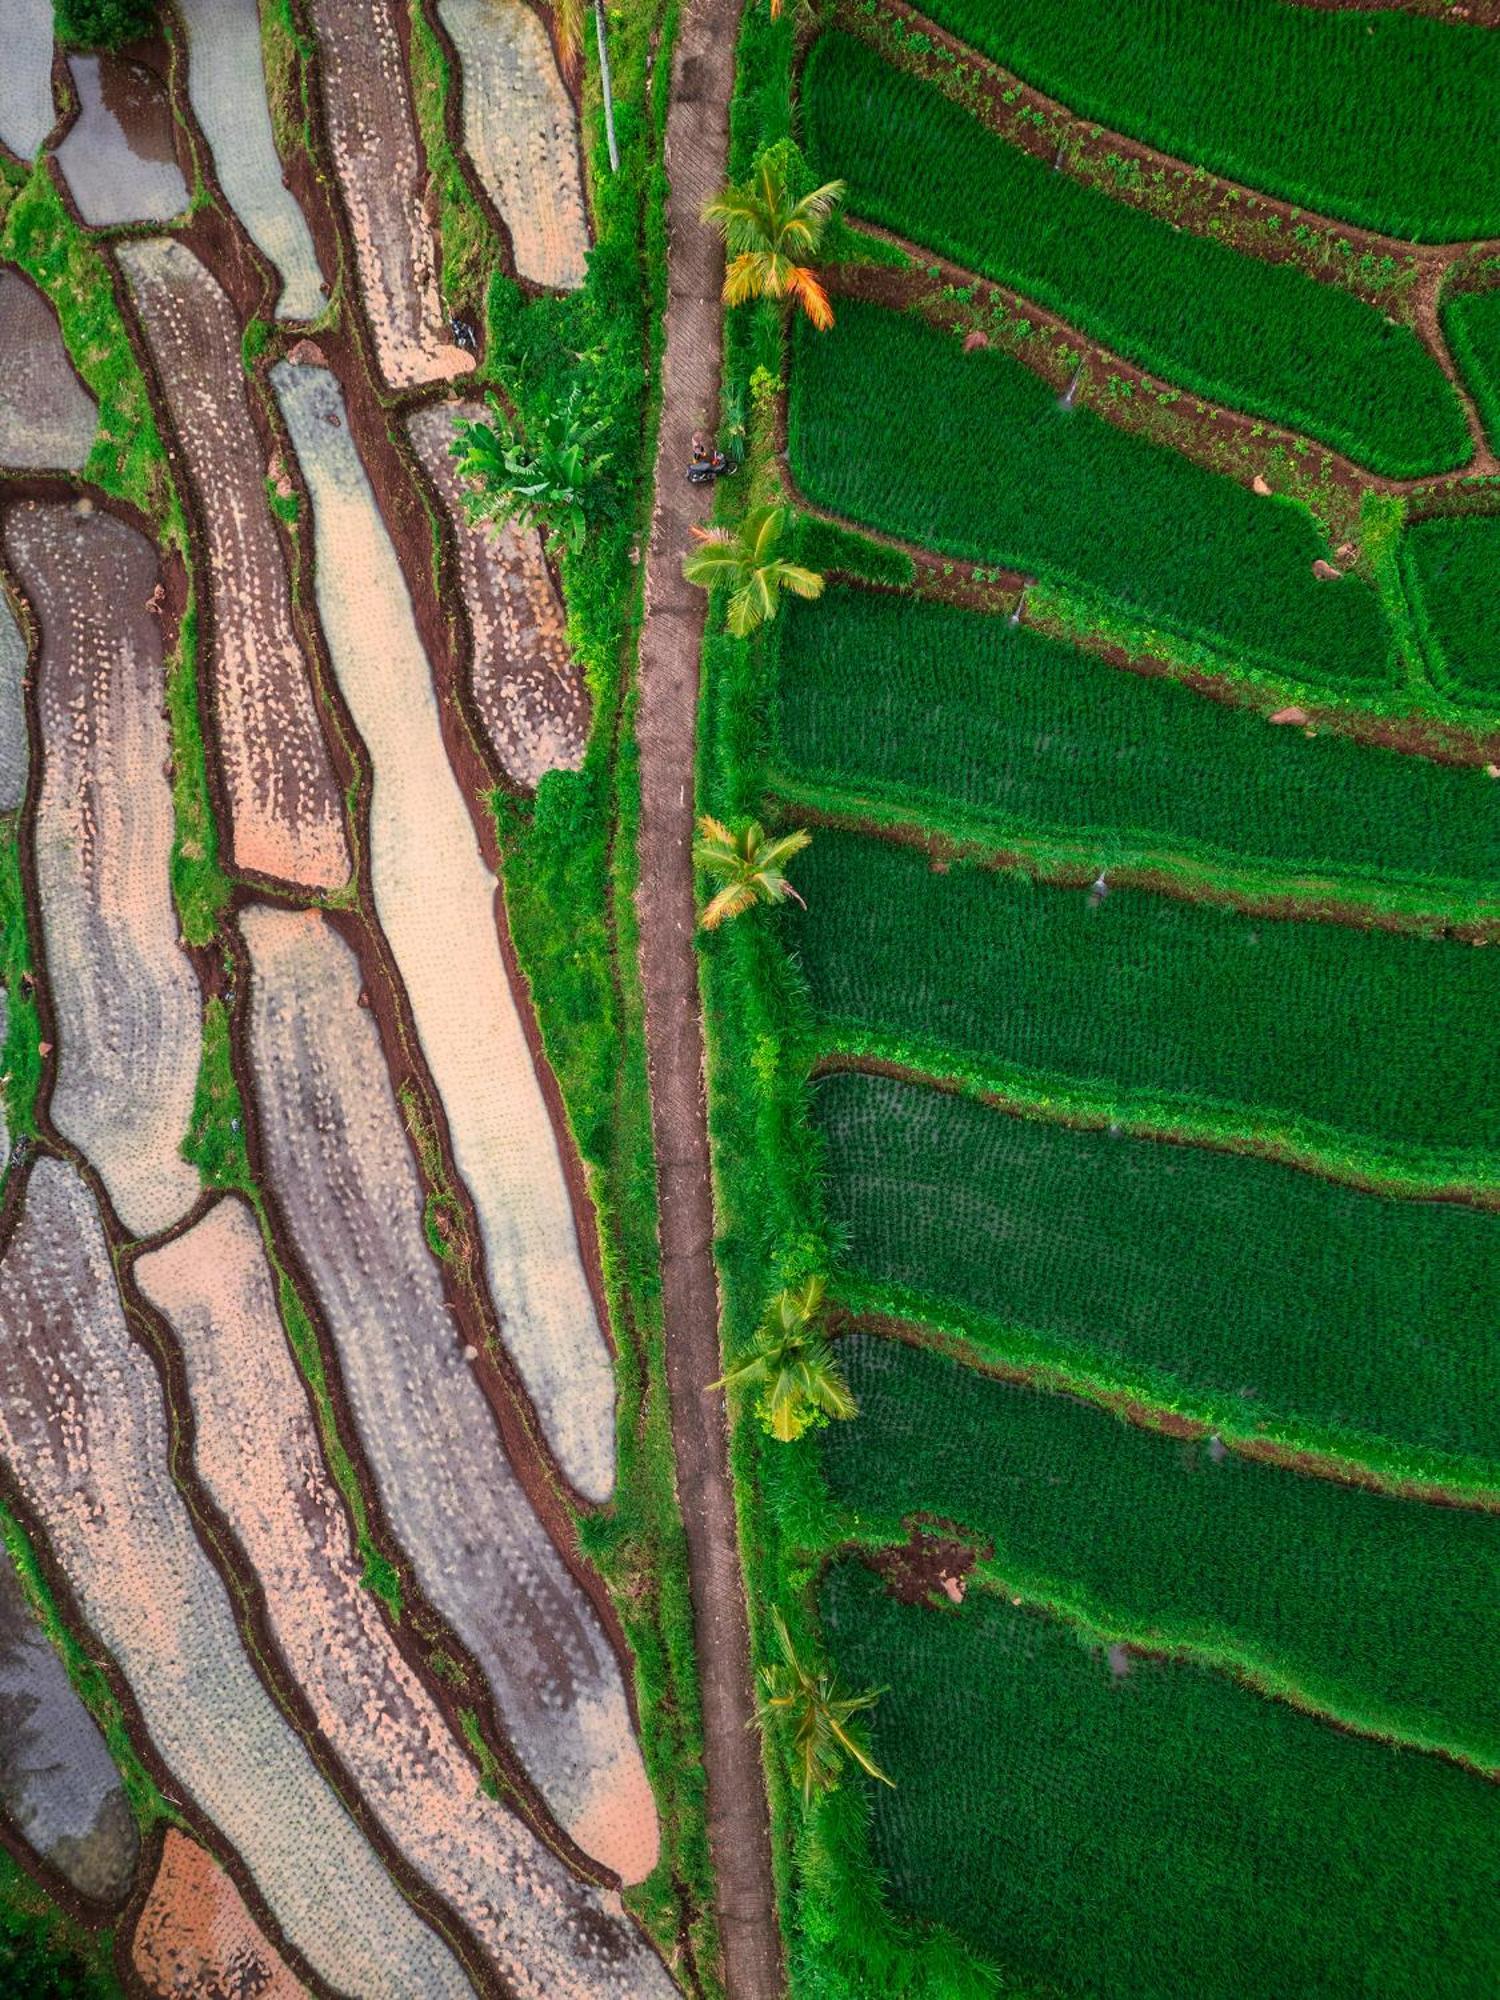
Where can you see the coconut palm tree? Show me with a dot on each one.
(810, 1703)
(767, 233)
(792, 1365)
(744, 557)
(747, 863)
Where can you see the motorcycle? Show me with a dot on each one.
(704, 471)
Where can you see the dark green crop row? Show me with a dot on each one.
(1034, 740)
(1289, 1031)
(1452, 574)
(1151, 1828)
(1384, 1613)
(1264, 338)
(1472, 324)
(971, 454)
(1380, 118)
(1206, 1280)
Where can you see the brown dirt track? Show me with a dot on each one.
(738, 1828)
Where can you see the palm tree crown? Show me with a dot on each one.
(792, 1365)
(749, 865)
(819, 1714)
(766, 232)
(744, 557)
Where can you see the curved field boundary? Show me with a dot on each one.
(83, 1429)
(436, 901)
(1257, 337)
(542, 1931)
(195, 1938)
(125, 997)
(225, 60)
(118, 157)
(286, 807)
(58, 1782)
(526, 689)
(372, 139)
(346, 1186)
(48, 420)
(520, 131)
(1132, 1533)
(27, 113)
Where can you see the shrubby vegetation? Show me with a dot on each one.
(103, 24)
(1264, 338)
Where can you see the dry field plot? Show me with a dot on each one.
(339, 1159)
(286, 807)
(195, 1939)
(26, 108)
(118, 158)
(257, 1452)
(521, 131)
(436, 902)
(126, 1000)
(83, 1431)
(227, 90)
(13, 758)
(375, 154)
(528, 690)
(58, 1783)
(47, 418)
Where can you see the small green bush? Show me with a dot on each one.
(103, 24)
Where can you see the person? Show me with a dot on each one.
(701, 456)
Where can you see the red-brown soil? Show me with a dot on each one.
(195, 1939)
(666, 728)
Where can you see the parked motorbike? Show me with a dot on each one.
(704, 470)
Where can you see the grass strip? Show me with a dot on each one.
(1293, 1033)
(970, 721)
(1260, 337)
(1375, 117)
(1145, 1534)
(1167, 1831)
(893, 424)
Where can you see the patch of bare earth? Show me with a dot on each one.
(195, 1939)
(48, 420)
(527, 689)
(286, 805)
(58, 1782)
(126, 999)
(13, 755)
(520, 129)
(26, 108)
(119, 159)
(256, 1450)
(345, 1182)
(438, 904)
(227, 90)
(376, 157)
(83, 1433)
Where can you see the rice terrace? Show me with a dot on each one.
(750, 995)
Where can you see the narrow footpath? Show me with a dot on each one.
(697, 145)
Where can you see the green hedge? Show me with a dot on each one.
(1452, 574)
(1265, 338)
(1168, 1833)
(893, 424)
(1385, 1614)
(1382, 118)
(1033, 739)
(1472, 324)
(1207, 1279)
(1368, 1033)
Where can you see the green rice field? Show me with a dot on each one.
(1383, 1612)
(1290, 1030)
(1379, 118)
(1452, 570)
(1472, 323)
(1265, 338)
(973, 455)
(1166, 1832)
(995, 725)
(1230, 1288)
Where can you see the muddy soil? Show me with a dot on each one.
(119, 158)
(196, 1940)
(27, 112)
(48, 420)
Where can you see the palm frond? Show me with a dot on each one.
(802, 286)
(800, 582)
(731, 901)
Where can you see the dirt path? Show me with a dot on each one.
(738, 1829)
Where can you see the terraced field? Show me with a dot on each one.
(1121, 1060)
